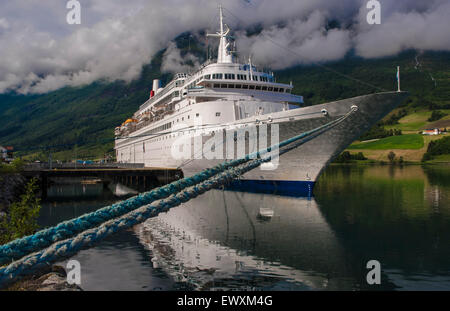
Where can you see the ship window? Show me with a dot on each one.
(264, 88)
(270, 88)
(230, 76)
(281, 90)
(245, 86)
(207, 77)
(197, 114)
(217, 114)
(182, 119)
(217, 85)
(251, 87)
(255, 78)
(217, 76)
(189, 116)
(238, 86)
(231, 86)
(258, 87)
(275, 89)
(223, 86)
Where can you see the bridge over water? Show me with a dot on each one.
(126, 174)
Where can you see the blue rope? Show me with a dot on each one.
(20, 247)
(68, 247)
(128, 213)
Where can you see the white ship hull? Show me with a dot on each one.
(297, 169)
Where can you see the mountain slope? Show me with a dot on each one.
(85, 117)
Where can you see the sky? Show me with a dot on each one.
(41, 52)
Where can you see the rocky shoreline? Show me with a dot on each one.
(53, 278)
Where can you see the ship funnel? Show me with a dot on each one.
(156, 86)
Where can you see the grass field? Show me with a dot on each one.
(441, 158)
(410, 155)
(417, 121)
(408, 141)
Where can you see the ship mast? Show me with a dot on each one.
(224, 56)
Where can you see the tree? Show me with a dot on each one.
(426, 157)
(436, 115)
(344, 157)
(391, 156)
(21, 219)
(360, 156)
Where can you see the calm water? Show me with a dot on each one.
(399, 216)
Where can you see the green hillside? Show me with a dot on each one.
(408, 141)
(79, 122)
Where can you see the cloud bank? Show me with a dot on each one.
(40, 52)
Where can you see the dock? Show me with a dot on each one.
(129, 175)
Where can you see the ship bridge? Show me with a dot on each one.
(224, 79)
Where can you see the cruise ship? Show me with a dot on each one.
(187, 123)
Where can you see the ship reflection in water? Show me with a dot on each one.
(237, 240)
(244, 240)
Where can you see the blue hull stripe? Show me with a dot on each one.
(281, 187)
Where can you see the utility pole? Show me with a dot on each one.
(76, 149)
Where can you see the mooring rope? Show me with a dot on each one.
(130, 212)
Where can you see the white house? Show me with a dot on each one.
(431, 132)
(6, 154)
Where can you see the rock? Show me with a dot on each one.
(55, 282)
(49, 279)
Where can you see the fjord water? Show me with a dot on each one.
(399, 216)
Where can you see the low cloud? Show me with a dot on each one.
(299, 41)
(421, 28)
(174, 62)
(40, 52)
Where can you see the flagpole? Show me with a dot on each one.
(398, 78)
